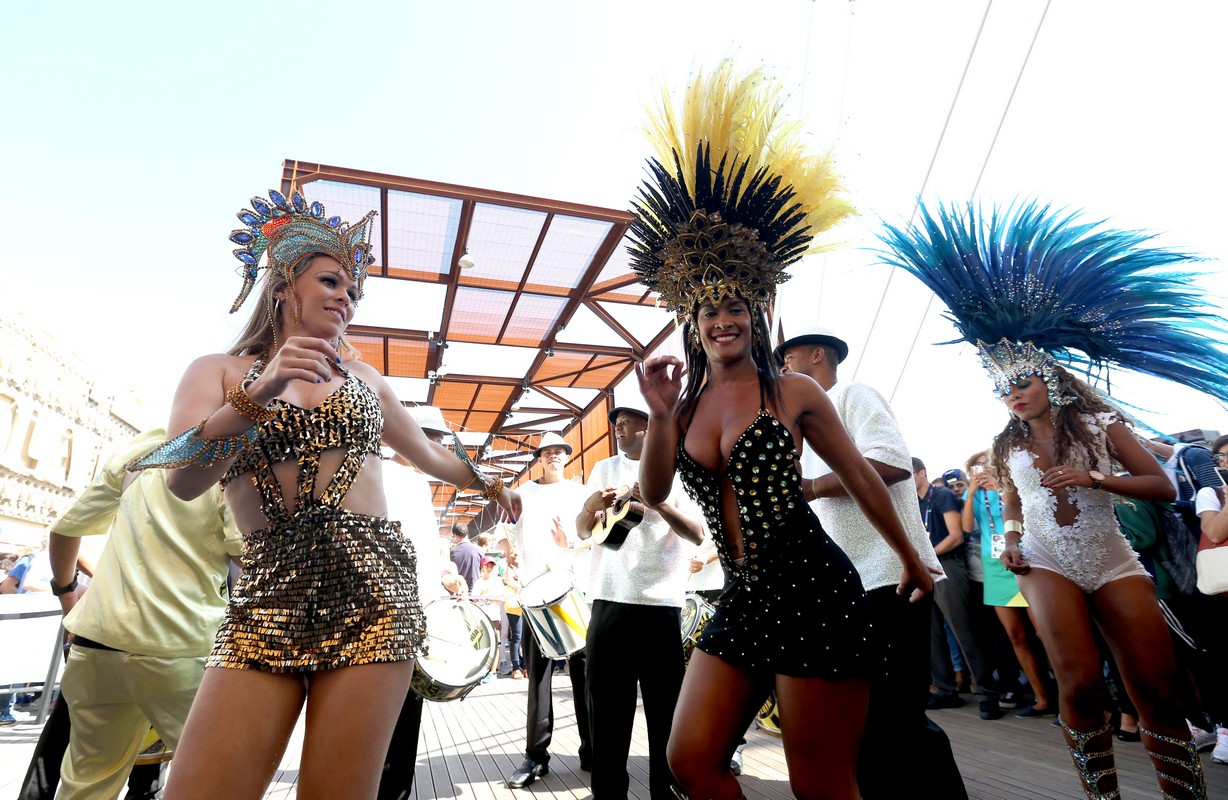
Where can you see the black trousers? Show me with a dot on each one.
(953, 601)
(397, 780)
(43, 774)
(539, 726)
(1197, 625)
(632, 646)
(901, 745)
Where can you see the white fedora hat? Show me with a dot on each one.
(551, 440)
(430, 418)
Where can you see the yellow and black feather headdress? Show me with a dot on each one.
(743, 199)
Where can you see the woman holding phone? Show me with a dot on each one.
(983, 510)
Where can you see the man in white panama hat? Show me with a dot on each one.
(543, 536)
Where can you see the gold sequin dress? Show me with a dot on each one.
(322, 587)
(794, 605)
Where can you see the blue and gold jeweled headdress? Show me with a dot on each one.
(1031, 287)
(289, 229)
(742, 199)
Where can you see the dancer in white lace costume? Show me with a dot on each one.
(1077, 571)
(1029, 287)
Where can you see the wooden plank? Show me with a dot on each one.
(468, 748)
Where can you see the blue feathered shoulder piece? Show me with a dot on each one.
(1029, 285)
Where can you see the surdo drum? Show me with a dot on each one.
(556, 613)
(461, 648)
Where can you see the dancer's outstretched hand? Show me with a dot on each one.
(509, 503)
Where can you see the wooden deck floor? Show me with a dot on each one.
(467, 748)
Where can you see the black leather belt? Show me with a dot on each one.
(81, 641)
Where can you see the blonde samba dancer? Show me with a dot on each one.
(326, 612)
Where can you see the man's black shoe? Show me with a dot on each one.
(529, 771)
(942, 700)
(990, 709)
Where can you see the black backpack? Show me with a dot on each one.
(1181, 530)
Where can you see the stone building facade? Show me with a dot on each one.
(55, 428)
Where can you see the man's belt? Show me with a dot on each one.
(81, 641)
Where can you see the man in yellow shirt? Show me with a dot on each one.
(142, 631)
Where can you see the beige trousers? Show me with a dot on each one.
(113, 697)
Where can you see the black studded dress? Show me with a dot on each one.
(322, 586)
(794, 605)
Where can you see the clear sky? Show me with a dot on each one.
(134, 131)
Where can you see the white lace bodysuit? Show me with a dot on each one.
(1092, 551)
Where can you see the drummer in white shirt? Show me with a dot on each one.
(545, 538)
(634, 636)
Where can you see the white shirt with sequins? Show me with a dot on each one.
(652, 565)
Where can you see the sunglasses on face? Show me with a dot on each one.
(1219, 457)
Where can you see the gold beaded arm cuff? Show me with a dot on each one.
(193, 447)
(241, 401)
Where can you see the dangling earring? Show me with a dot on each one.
(693, 339)
(274, 307)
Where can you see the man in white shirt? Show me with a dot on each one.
(545, 539)
(899, 695)
(634, 636)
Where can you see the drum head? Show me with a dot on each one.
(546, 588)
(460, 643)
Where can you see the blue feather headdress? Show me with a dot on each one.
(1031, 287)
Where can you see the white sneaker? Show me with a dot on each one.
(1220, 755)
(1203, 740)
(735, 763)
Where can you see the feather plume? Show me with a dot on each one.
(734, 161)
(1087, 295)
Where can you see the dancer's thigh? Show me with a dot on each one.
(235, 735)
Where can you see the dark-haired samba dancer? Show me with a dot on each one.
(793, 616)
